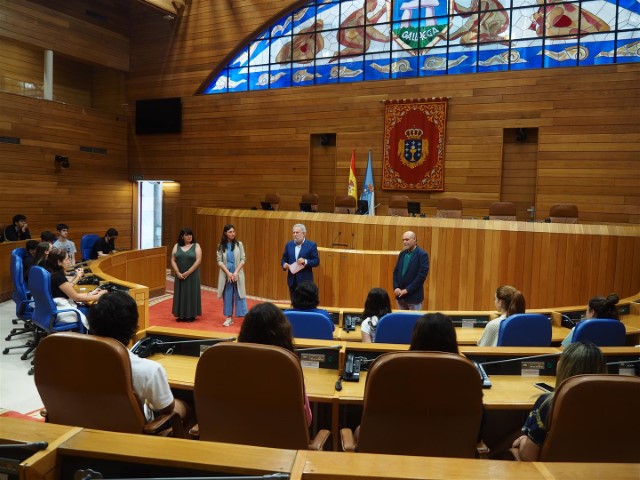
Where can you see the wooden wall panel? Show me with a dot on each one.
(95, 193)
(235, 148)
(553, 265)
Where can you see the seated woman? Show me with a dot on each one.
(115, 316)
(577, 359)
(42, 251)
(434, 332)
(62, 291)
(376, 306)
(599, 307)
(306, 298)
(509, 301)
(266, 324)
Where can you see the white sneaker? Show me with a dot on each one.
(228, 322)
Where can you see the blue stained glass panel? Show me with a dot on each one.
(338, 41)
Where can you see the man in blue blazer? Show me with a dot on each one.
(410, 274)
(302, 252)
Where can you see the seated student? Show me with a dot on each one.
(577, 359)
(27, 260)
(42, 251)
(48, 237)
(509, 301)
(599, 307)
(106, 245)
(266, 324)
(306, 298)
(376, 306)
(64, 243)
(62, 291)
(434, 332)
(18, 230)
(115, 316)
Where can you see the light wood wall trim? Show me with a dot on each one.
(552, 264)
(33, 24)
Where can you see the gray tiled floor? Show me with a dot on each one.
(17, 388)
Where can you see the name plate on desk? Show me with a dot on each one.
(468, 323)
(531, 369)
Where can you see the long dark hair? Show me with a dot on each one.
(222, 246)
(377, 304)
(40, 257)
(52, 263)
(605, 307)
(434, 332)
(183, 232)
(266, 324)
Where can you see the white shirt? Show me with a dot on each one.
(489, 337)
(150, 384)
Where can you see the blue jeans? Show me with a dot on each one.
(403, 305)
(231, 297)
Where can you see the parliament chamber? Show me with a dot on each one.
(533, 137)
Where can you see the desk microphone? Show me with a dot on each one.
(318, 349)
(518, 359)
(334, 244)
(36, 446)
(339, 383)
(623, 363)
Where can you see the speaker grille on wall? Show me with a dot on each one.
(161, 115)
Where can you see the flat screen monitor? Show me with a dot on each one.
(305, 207)
(413, 208)
(266, 206)
(159, 115)
(363, 207)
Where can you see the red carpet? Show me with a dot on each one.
(211, 318)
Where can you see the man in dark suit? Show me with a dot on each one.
(299, 257)
(410, 274)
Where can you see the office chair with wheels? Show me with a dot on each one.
(86, 381)
(502, 211)
(252, 395)
(45, 312)
(563, 213)
(592, 420)
(396, 327)
(449, 207)
(398, 206)
(419, 403)
(604, 332)
(525, 330)
(86, 245)
(345, 204)
(310, 324)
(24, 305)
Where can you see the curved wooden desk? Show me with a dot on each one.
(143, 272)
(552, 264)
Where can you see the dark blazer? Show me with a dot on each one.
(416, 275)
(309, 252)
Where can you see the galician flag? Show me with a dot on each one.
(367, 189)
(353, 184)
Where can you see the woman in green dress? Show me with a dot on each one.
(185, 261)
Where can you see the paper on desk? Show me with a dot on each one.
(295, 267)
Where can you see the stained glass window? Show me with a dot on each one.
(329, 41)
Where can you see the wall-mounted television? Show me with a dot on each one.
(158, 115)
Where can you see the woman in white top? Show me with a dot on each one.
(509, 301)
(376, 306)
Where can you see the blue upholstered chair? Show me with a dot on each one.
(525, 330)
(24, 305)
(604, 332)
(86, 245)
(45, 313)
(396, 327)
(310, 325)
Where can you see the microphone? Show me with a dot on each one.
(517, 359)
(318, 349)
(36, 446)
(334, 244)
(339, 383)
